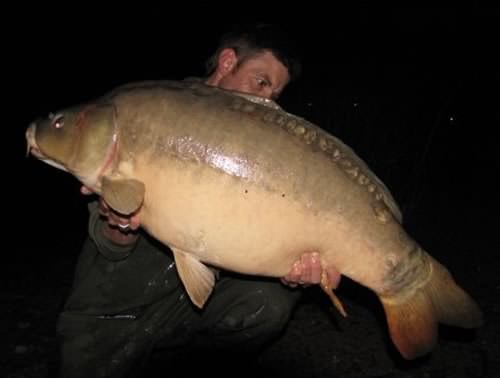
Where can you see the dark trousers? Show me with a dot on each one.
(119, 312)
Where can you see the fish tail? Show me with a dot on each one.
(413, 320)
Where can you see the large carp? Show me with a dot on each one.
(232, 181)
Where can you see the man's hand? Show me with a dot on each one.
(119, 221)
(119, 228)
(308, 270)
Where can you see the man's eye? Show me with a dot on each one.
(262, 82)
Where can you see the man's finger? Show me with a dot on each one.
(306, 263)
(315, 268)
(135, 222)
(294, 275)
(85, 191)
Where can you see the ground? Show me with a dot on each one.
(318, 341)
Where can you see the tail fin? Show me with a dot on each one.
(413, 323)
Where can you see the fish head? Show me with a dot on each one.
(79, 140)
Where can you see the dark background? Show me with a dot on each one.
(414, 92)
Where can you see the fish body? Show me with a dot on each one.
(232, 181)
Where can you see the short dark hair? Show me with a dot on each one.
(250, 40)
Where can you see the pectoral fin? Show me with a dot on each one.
(123, 195)
(197, 278)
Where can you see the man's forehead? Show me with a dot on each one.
(268, 64)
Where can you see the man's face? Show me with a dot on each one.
(261, 75)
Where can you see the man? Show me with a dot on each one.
(127, 298)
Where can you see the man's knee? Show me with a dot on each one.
(259, 314)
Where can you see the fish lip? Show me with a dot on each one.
(32, 146)
(35, 151)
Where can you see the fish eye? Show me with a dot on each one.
(57, 120)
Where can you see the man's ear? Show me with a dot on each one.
(227, 61)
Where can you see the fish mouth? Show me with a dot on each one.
(31, 145)
(33, 149)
